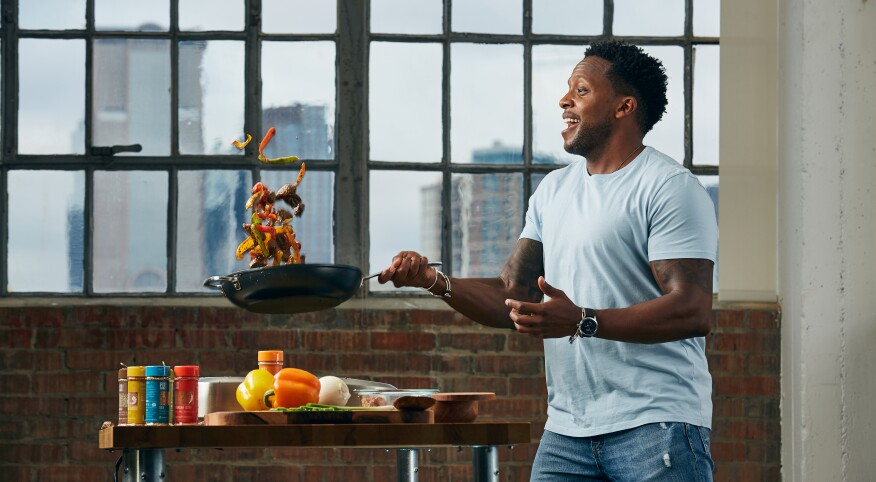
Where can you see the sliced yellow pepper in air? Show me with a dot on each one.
(241, 145)
(245, 246)
(260, 238)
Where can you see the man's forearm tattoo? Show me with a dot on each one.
(524, 267)
(671, 272)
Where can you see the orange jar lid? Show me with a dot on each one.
(271, 356)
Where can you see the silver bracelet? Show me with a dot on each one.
(429, 289)
(446, 293)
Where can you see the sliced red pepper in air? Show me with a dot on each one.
(266, 140)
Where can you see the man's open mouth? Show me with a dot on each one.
(571, 124)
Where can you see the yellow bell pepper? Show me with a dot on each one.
(251, 393)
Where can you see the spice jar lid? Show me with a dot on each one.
(186, 370)
(271, 356)
(136, 371)
(123, 373)
(158, 371)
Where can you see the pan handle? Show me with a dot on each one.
(215, 282)
(433, 264)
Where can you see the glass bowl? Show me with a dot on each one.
(380, 398)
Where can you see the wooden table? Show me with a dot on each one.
(143, 447)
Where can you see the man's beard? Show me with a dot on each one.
(589, 139)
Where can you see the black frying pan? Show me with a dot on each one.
(291, 288)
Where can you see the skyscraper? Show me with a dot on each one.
(486, 214)
(302, 130)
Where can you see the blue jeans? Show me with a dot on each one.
(652, 452)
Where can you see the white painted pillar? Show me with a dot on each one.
(827, 237)
(810, 117)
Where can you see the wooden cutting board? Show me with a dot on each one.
(338, 417)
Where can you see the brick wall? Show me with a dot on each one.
(58, 384)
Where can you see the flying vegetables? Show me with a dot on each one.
(270, 236)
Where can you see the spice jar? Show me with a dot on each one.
(157, 393)
(136, 395)
(185, 394)
(271, 360)
(123, 396)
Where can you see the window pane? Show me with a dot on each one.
(707, 18)
(398, 132)
(487, 119)
(711, 185)
(51, 14)
(407, 16)
(209, 215)
(199, 15)
(51, 96)
(315, 228)
(536, 180)
(667, 135)
(414, 224)
(211, 96)
(301, 107)
(551, 67)
(299, 16)
(488, 16)
(705, 105)
(131, 98)
(132, 15)
(130, 231)
(487, 212)
(567, 17)
(46, 255)
(635, 17)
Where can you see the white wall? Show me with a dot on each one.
(747, 248)
(825, 143)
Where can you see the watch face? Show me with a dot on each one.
(588, 326)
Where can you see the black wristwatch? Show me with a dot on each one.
(587, 326)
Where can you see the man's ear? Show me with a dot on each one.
(627, 105)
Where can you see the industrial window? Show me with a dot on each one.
(424, 125)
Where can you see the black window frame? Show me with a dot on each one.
(351, 165)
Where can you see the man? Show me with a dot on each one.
(614, 271)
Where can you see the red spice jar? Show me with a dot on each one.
(185, 394)
(271, 360)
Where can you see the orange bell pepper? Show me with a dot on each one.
(293, 388)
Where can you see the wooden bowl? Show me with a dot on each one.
(461, 407)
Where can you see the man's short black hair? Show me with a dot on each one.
(635, 73)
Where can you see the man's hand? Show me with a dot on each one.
(409, 268)
(558, 317)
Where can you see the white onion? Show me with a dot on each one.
(333, 391)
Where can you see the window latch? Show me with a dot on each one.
(113, 150)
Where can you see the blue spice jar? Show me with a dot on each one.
(157, 395)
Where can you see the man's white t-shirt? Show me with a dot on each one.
(599, 234)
